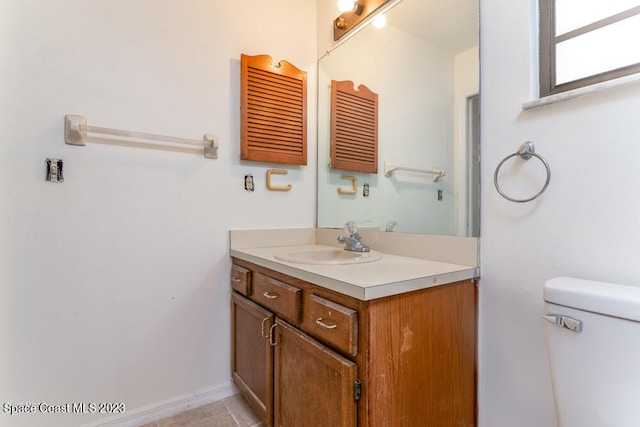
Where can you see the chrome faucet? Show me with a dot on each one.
(391, 226)
(352, 241)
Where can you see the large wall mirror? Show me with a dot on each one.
(424, 67)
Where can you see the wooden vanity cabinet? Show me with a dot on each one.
(402, 360)
(287, 377)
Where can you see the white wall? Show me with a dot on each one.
(115, 283)
(586, 224)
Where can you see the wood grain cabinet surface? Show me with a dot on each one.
(252, 354)
(403, 360)
(273, 111)
(354, 127)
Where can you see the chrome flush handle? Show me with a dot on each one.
(566, 322)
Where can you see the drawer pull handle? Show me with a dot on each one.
(270, 296)
(324, 325)
(264, 320)
(236, 279)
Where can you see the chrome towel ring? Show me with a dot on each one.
(525, 152)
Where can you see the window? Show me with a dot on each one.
(583, 42)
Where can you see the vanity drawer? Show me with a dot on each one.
(241, 279)
(333, 323)
(278, 296)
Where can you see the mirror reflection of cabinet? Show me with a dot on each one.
(354, 127)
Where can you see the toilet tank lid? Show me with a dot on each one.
(599, 297)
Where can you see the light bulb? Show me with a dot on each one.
(379, 21)
(346, 5)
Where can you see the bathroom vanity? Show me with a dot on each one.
(350, 345)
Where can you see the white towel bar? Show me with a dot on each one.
(76, 129)
(390, 167)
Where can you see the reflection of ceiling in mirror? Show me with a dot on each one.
(451, 24)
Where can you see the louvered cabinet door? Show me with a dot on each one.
(354, 127)
(273, 111)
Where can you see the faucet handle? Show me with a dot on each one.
(351, 228)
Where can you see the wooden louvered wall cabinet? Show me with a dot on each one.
(354, 127)
(273, 111)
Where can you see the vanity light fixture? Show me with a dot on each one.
(353, 13)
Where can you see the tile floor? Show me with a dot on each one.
(229, 412)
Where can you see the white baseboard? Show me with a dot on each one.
(157, 411)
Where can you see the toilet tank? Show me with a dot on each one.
(593, 338)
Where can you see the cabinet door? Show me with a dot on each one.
(314, 386)
(252, 355)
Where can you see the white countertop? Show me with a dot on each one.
(391, 275)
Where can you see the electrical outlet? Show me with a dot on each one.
(54, 170)
(248, 183)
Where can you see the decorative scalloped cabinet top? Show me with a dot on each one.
(273, 111)
(354, 127)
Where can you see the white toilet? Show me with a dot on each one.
(593, 339)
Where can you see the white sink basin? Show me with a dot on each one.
(329, 256)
